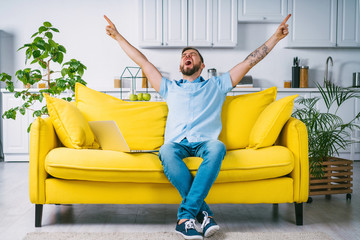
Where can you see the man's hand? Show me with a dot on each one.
(239, 71)
(151, 72)
(111, 29)
(282, 31)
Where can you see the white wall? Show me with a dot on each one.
(82, 32)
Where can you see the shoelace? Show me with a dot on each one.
(190, 224)
(206, 220)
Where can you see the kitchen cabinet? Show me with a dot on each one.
(324, 23)
(200, 23)
(15, 138)
(181, 23)
(347, 112)
(313, 23)
(355, 148)
(151, 20)
(163, 23)
(348, 32)
(225, 23)
(175, 23)
(262, 10)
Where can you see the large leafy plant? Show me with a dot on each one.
(42, 52)
(327, 131)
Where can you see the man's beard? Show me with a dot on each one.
(190, 71)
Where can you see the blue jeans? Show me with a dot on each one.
(192, 190)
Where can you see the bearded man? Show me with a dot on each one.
(194, 124)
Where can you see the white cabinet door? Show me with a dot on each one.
(181, 23)
(151, 20)
(175, 23)
(262, 10)
(355, 148)
(348, 23)
(313, 23)
(225, 23)
(15, 136)
(200, 15)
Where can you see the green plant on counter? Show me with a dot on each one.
(327, 132)
(43, 51)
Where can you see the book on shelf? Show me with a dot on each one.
(244, 85)
(246, 82)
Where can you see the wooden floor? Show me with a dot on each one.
(336, 216)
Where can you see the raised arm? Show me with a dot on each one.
(151, 72)
(239, 71)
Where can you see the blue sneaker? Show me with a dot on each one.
(187, 230)
(208, 226)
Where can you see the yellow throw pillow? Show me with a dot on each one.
(70, 125)
(270, 122)
(239, 114)
(141, 123)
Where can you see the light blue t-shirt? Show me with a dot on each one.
(194, 107)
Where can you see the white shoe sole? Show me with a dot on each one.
(211, 231)
(189, 237)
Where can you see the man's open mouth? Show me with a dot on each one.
(187, 62)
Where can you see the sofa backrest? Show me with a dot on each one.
(143, 123)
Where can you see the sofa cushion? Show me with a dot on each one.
(141, 123)
(113, 166)
(239, 114)
(270, 122)
(70, 125)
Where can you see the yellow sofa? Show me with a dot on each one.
(256, 168)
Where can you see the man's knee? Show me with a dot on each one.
(217, 147)
(167, 148)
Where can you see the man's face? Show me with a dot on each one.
(190, 62)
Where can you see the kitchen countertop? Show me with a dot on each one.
(255, 89)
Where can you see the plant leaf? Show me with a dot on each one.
(36, 54)
(47, 24)
(55, 29)
(34, 34)
(42, 29)
(49, 35)
(62, 48)
(64, 72)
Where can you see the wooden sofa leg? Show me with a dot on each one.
(38, 214)
(299, 213)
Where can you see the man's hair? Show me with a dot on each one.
(192, 48)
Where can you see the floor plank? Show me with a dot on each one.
(336, 216)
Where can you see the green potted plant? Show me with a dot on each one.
(328, 133)
(42, 52)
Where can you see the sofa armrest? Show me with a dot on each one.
(42, 139)
(294, 136)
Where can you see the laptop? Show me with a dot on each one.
(110, 137)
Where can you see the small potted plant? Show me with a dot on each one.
(328, 133)
(42, 52)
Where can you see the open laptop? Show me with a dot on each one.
(110, 137)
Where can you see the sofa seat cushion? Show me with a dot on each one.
(112, 166)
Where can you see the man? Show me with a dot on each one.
(194, 124)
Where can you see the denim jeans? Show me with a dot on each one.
(192, 190)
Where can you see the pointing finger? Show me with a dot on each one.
(108, 20)
(285, 20)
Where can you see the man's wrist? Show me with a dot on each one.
(118, 37)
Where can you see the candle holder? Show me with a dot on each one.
(131, 74)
